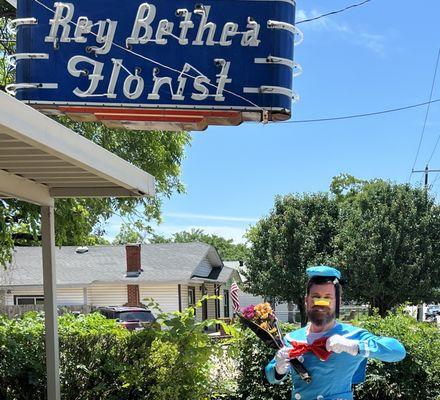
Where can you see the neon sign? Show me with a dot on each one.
(160, 64)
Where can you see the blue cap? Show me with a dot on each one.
(324, 271)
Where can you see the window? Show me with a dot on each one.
(226, 302)
(191, 296)
(28, 300)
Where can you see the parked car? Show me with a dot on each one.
(132, 318)
(431, 312)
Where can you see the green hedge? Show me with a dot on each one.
(173, 361)
(101, 360)
(416, 377)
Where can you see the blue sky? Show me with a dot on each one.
(378, 56)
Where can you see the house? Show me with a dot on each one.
(282, 310)
(176, 275)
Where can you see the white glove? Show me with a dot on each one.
(282, 361)
(338, 344)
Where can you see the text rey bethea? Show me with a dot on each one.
(65, 30)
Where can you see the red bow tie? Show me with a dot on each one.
(317, 348)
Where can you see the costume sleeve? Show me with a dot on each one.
(380, 347)
(271, 374)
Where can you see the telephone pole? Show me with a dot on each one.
(426, 171)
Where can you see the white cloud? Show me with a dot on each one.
(372, 41)
(209, 217)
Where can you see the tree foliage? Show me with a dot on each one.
(227, 249)
(297, 233)
(385, 238)
(389, 244)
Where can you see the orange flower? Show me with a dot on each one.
(263, 310)
(264, 325)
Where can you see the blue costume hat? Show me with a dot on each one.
(321, 274)
(324, 271)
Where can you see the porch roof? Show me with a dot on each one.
(41, 159)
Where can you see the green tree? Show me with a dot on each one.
(227, 249)
(159, 153)
(389, 244)
(135, 232)
(297, 233)
(7, 43)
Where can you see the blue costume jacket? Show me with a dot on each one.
(332, 379)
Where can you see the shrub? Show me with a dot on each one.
(101, 360)
(252, 383)
(22, 359)
(417, 376)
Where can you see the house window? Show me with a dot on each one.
(28, 300)
(191, 296)
(226, 302)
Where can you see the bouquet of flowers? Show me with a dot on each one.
(263, 322)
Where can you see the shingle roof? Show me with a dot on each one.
(170, 262)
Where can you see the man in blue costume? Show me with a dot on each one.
(335, 354)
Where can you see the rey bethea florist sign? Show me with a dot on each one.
(162, 64)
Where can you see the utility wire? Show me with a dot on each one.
(438, 137)
(426, 118)
(391, 110)
(332, 13)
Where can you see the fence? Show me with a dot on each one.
(347, 313)
(17, 311)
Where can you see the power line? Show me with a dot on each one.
(391, 110)
(438, 137)
(426, 118)
(332, 12)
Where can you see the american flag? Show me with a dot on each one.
(234, 297)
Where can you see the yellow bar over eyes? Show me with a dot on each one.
(321, 302)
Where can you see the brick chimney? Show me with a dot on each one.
(133, 254)
(133, 296)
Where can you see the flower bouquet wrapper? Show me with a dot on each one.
(269, 333)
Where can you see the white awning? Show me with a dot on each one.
(41, 159)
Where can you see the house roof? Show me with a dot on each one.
(235, 265)
(161, 263)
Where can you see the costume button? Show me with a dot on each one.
(297, 396)
(320, 397)
(301, 359)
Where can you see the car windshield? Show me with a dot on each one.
(142, 316)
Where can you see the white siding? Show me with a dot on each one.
(65, 296)
(198, 297)
(165, 295)
(107, 295)
(247, 299)
(184, 292)
(211, 303)
(222, 302)
(70, 296)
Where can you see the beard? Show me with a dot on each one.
(320, 316)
